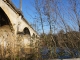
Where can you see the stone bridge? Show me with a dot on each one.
(15, 32)
(15, 19)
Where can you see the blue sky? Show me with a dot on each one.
(29, 13)
(27, 9)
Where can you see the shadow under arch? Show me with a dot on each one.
(26, 31)
(33, 35)
(4, 20)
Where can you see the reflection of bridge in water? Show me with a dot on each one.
(16, 32)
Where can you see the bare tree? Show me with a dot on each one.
(74, 7)
(38, 7)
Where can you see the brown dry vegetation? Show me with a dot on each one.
(69, 40)
(12, 46)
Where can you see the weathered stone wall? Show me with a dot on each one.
(11, 43)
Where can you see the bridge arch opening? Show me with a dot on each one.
(26, 31)
(4, 20)
(33, 35)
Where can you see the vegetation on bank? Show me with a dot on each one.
(62, 45)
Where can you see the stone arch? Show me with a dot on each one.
(33, 35)
(36, 36)
(26, 31)
(4, 20)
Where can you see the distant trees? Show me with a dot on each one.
(65, 41)
(62, 23)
